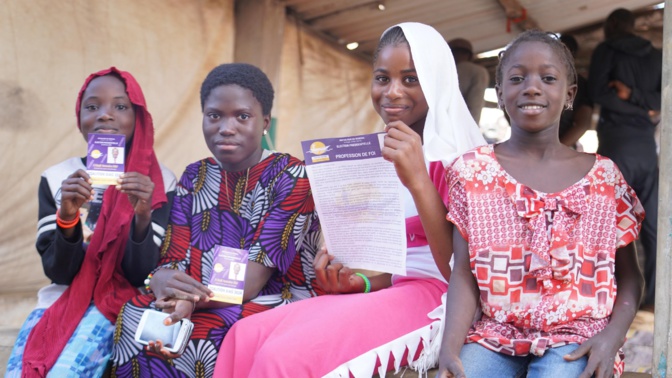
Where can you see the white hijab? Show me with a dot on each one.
(449, 129)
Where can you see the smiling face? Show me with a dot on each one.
(106, 109)
(395, 90)
(534, 87)
(233, 125)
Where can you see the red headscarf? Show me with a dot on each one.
(100, 278)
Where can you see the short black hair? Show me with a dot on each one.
(244, 75)
(551, 40)
(571, 43)
(619, 23)
(393, 37)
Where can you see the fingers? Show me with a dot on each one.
(332, 276)
(165, 304)
(579, 352)
(136, 184)
(157, 347)
(184, 287)
(75, 191)
(321, 259)
(347, 282)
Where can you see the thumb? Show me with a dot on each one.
(579, 352)
(173, 318)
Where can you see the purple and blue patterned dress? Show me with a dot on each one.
(267, 210)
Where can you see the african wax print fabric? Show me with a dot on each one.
(267, 210)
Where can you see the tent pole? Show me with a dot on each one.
(662, 340)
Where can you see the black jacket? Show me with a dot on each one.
(635, 62)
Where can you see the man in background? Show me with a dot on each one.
(625, 80)
(473, 79)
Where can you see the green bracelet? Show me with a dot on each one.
(367, 283)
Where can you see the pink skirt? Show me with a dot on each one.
(345, 335)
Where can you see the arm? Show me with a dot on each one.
(173, 280)
(335, 278)
(598, 84)
(461, 305)
(403, 147)
(62, 250)
(651, 99)
(142, 256)
(602, 348)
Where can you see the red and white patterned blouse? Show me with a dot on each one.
(544, 263)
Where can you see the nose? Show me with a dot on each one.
(227, 126)
(532, 87)
(105, 114)
(394, 89)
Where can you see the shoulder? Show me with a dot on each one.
(607, 172)
(64, 168)
(55, 174)
(482, 154)
(277, 160)
(201, 169)
(169, 179)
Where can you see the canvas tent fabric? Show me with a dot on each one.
(47, 49)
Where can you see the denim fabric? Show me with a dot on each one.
(479, 361)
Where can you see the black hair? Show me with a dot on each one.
(619, 23)
(571, 43)
(393, 37)
(551, 40)
(244, 75)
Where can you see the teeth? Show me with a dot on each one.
(531, 107)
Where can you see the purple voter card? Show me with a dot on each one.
(105, 158)
(227, 280)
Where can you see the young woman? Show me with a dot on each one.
(543, 237)
(94, 264)
(415, 91)
(243, 197)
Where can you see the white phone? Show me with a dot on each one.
(174, 337)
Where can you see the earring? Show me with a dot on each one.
(500, 106)
(569, 106)
(265, 132)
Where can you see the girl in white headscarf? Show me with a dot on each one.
(380, 322)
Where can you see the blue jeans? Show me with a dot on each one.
(479, 361)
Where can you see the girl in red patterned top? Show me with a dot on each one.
(543, 238)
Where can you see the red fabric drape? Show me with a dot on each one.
(100, 278)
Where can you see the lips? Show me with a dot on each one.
(226, 145)
(105, 130)
(394, 109)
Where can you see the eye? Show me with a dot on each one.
(213, 116)
(382, 79)
(549, 78)
(244, 116)
(91, 107)
(411, 79)
(122, 107)
(516, 79)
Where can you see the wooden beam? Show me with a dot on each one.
(518, 15)
(662, 335)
